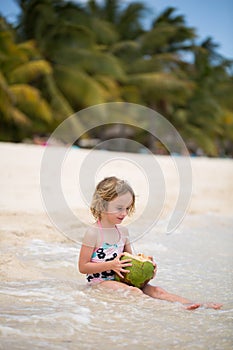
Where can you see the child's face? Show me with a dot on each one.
(118, 208)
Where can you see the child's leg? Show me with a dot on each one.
(159, 293)
(119, 285)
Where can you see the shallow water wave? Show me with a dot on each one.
(68, 313)
(55, 310)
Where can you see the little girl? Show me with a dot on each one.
(106, 240)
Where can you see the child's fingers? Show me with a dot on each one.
(120, 272)
(125, 264)
(125, 261)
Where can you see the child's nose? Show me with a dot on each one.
(124, 212)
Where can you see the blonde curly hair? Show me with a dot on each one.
(107, 190)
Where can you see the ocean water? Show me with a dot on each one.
(59, 311)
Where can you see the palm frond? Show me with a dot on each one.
(79, 88)
(8, 110)
(158, 85)
(104, 31)
(104, 64)
(57, 100)
(155, 63)
(196, 136)
(6, 98)
(30, 71)
(130, 21)
(113, 91)
(157, 40)
(128, 51)
(19, 118)
(29, 49)
(30, 102)
(95, 62)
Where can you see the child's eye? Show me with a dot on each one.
(119, 208)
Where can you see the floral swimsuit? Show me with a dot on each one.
(105, 252)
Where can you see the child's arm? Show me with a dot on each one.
(127, 246)
(87, 267)
(88, 246)
(85, 264)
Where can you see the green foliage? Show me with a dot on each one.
(79, 88)
(23, 106)
(29, 100)
(29, 71)
(64, 56)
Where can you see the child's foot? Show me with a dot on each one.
(215, 306)
(192, 306)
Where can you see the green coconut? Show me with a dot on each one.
(140, 273)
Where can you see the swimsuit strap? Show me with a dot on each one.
(119, 232)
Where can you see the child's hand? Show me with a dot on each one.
(155, 265)
(118, 265)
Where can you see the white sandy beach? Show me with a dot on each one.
(20, 179)
(34, 254)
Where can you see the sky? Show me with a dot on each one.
(210, 18)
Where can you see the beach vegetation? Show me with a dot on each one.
(63, 56)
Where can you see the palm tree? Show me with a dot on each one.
(84, 71)
(100, 52)
(209, 119)
(126, 20)
(155, 66)
(22, 106)
(158, 67)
